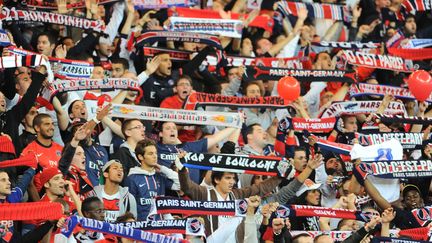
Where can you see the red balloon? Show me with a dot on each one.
(420, 84)
(288, 88)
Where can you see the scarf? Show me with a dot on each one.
(346, 45)
(395, 40)
(293, 211)
(45, 5)
(189, 226)
(62, 68)
(175, 55)
(223, 27)
(412, 6)
(197, 99)
(291, 63)
(158, 4)
(394, 240)
(29, 160)
(71, 68)
(401, 168)
(226, 119)
(413, 54)
(261, 21)
(315, 10)
(172, 205)
(150, 37)
(361, 89)
(6, 145)
(31, 211)
(408, 140)
(314, 125)
(4, 38)
(22, 61)
(114, 229)
(361, 107)
(377, 61)
(418, 43)
(390, 119)
(338, 148)
(269, 73)
(27, 16)
(247, 164)
(60, 86)
(181, 55)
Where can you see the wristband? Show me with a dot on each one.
(96, 120)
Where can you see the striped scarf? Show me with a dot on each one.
(315, 10)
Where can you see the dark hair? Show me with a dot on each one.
(121, 61)
(319, 53)
(217, 175)
(85, 206)
(125, 126)
(125, 217)
(37, 121)
(50, 37)
(141, 145)
(296, 239)
(249, 130)
(71, 105)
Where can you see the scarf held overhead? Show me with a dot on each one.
(390, 119)
(261, 21)
(378, 61)
(408, 140)
(37, 4)
(228, 119)
(269, 73)
(197, 99)
(315, 10)
(159, 4)
(189, 226)
(25, 16)
(361, 107)
(401, 168)
(62, 68)
(223, 27)
(292, 211)
(360, 89)
(60, 86)
(164, 205)
(248, 164)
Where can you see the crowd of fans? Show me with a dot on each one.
(110, 169)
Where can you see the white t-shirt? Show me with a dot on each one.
(388, 150)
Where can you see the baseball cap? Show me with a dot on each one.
(109, 163)
(308, 185)
(410, 187)
(48, 173)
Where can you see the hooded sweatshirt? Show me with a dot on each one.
(117, 204)
(145, 186)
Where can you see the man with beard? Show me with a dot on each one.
(184, 88)
(48, 152)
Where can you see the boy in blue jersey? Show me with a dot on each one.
(12, 195)
(150, 179)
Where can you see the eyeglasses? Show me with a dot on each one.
(137, 127)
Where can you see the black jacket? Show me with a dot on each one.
(10, 120)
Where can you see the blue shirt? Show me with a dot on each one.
(96, 158)
(167, 154)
